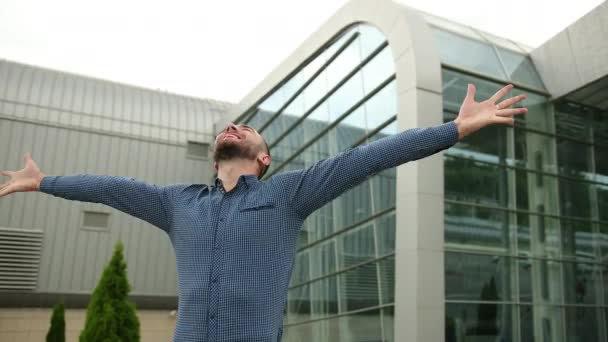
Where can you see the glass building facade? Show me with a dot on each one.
(526, 223)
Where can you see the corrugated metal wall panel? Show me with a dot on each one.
(71, 125)
(66, 99)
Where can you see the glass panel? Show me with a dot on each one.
(572, 121)
(378, 70)
(364, 326)
(574, 159)
(526, 319)
(547, 320)
(381, 106)
(298, 304)
(602, 242)
(387, 280)
(538, 235)
(301, 270)
(323, 259)
(359, 288)
(539, 281)
(582, 324)
(324, 297)
(581, 282)
(455, 88)
(475, 182)
(473, 226)
(357, 246)
(371, 38)
(468, 53)
(488, 145)
(478, 322)
(539, 112)
(520, 68)
(388, 324)
(476, 277)
(575, 198)
(353, 206)
(385, 230)
(577, 239)
(534, 150)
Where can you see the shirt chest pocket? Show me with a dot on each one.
(256, 223)
(256, 206)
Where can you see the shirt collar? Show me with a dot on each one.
(248, 180)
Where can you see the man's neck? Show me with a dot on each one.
(229, 171)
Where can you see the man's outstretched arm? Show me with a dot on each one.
(327, 179)
(148, 202)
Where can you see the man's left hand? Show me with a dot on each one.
(475, 115)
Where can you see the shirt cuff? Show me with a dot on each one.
(449, 132)
(47, 184)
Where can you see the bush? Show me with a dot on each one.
(57, 330)
(110, 315)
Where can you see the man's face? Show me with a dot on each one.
(238, 141)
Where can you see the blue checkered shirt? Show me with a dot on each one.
(235, 250)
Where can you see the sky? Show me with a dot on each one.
(221, 49)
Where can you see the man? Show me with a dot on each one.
(234, 240)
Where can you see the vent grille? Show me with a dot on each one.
(197, 150)
(19, 258)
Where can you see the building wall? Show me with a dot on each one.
(73, 124)
(576, 56)
(342, 282)
(522, 234)
(32, 324)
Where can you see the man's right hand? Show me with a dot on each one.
(26, 179)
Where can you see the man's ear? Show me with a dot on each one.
(265, 159)
(215, 166)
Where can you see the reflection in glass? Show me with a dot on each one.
(476, 277)
(475, 226)
(475, 182)
(582, 324)
(520, 68)
(359, 288)
(575, 198)
(455, 88)
(468, 53)
(581, 282)
(577, 239)
(387, 280)
(478, 322)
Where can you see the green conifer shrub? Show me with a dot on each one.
(111, 316)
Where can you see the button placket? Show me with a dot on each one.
(217, 264)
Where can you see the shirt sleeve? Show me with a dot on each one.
(313, 187)
(149, 202)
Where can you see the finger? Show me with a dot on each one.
(501, 93)
(512, 100)
(512, 111)
(507, 120)
(5, 191)
(6, 173)
(470, 93)
(3, 185)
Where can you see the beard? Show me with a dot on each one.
(228, 150)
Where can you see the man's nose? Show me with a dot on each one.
(231, 127)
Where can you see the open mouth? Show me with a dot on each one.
(230, 135)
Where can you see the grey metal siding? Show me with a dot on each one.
(72, 124)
